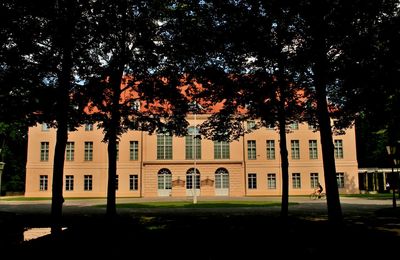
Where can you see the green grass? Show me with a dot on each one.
(45, 198)
(378, 196)
(200, 204)
(25, 198)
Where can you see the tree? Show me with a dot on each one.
(336, 39)
(45, 49)
(253, 73)
(18, 84)
(379, 93)
(278, 92)
(136, 87)
(13, 140)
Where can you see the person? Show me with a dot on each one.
(319, 190)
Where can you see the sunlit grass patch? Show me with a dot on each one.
(377, 196)
(200, 204)
(21, 198)
(25, 198)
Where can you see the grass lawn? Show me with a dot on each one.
(378, 196)
(200, 204)
(45, 198)
(204, 204)
(367, 233)
(23, 199)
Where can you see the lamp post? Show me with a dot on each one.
(391, 150)
(396, 176)
(194, 107)
(1, 172)
(194, 183)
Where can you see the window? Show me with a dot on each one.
(221, 178)
(252, 181)
(221, 150)
(43, 182)
(45, 127)
(296, 180)
(69, 182)
(251, 125)
(251, 150)
(44, 151)
(133, 150)
(189, 179)
(294, 125)
(339, 149)
(314, 180)
(271, 149)
(312, 146)
(135, 105)
(164, 147)
(117, 150)
(88, 182)
(70, 151)
(164, 178)
(133, 182)
(295, 144)
(116, 182)
(88, 127)
(193, 144)
(88, 151)
(271, 181)
(340, 179)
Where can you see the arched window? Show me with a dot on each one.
(221, 178)
(190, 179)
(164, 179)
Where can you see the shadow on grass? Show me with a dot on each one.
(208, 236)
(173, 236)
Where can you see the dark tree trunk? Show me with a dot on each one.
(112, 167)
(58, 173)
(282, 95)
(333, 201)
(112, 172)
(113, 132)
(117, 71)
(284, 160)
(62, 106)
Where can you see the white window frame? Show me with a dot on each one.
(43, 182)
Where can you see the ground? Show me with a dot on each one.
(370, 230)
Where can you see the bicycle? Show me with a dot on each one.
(315, 196)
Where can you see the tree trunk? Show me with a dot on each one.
(333, 201)
(282, 94)
(112, 172)
(58, 173)
(117, 67)
(62, 107)
(284, 160)
(113, 132)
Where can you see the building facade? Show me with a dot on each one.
(161, 165)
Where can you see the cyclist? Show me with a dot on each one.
(319, 190)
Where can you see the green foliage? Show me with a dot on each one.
(371, 144)
(13, 140)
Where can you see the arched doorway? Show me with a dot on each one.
(221, 182)
(164, 179)
(192, 182)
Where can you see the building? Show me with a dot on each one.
(161, 165)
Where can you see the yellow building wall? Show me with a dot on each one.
(147, 166)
